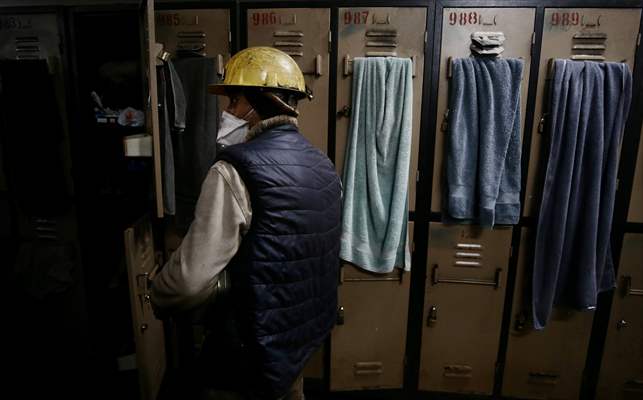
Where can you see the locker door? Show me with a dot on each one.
(457, 26)
(303, 33)
(205, 31)
(148, 331)
(564, 28)
(621, 375)
(465, 290)
(635, 213)
(368, 343)
(152, 112)
(361, 34)
(544, 364)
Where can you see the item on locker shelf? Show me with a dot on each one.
(589, 103)
(486, 51)
(131, 117)
(483, 142)
(138, 145)
(376, 168)
(486, 39)
(487, 43)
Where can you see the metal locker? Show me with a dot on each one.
(148, 331)
(303, 33)
(545, 364)
(465, 290)
(202, 31)
(379, 31)
(635, 213)
(368, 343)
(33, 36)
(566, 32)
(621, 374)
(457, 26)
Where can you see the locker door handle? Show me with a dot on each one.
(368, 368)
(432, 318)
(457, 371)
(621, 324)
(435, 279)
(220, 65)
(543, 378)
(633, 386)
(317, 71)
(626, 288)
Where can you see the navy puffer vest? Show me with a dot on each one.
(284, 276)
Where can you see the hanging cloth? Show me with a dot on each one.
(589, 105)
(376, 168)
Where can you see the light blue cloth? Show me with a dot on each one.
(589, 105)
(376, 168)
(483, 144)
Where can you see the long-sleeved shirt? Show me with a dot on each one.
(222, 216)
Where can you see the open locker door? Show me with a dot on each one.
(148, 331)
(140, 254)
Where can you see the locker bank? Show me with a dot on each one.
(322, 199)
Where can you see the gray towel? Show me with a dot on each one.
(483, 145)
(195, 148)
(376, 169)
(588, 109)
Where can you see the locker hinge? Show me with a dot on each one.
(638, 40)
(330, 40)
(618, 181)
(229, 41)
(417, 176)
(511, 251)
(533, 42)
(426, 37)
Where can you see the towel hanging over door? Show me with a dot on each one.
(376, 168)
(588, 108)
(483, 145)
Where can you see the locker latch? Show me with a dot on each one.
(340, 316)
(445, 121)
(433, 316)
(521, 323)
(541, 123)
(344, 112)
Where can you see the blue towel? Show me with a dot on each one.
(376, 168)
(588, 109)
(483, 145)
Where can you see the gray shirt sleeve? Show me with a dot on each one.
(221, 218)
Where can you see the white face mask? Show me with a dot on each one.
(233, 130)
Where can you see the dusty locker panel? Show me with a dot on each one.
(375, 307)
(548, 363)
(304, 34)
(465, 290)
(465, 284)
(458, 24)
(635, 213)
(567, 32)
(201, 32)
(621, 373)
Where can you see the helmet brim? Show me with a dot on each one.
(222, 89)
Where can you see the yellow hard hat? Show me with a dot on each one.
(262, 67)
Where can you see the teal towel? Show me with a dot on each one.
(376, 168)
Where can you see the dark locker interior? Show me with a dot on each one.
(85, 231)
